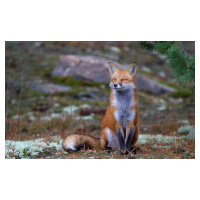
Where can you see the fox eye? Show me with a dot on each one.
(114, 79)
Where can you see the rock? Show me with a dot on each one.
(37, 44)
(50, 88)
(85, 96)
(161, 108)
(185, 129)
(56, 105)
(89, 68)
(85, 106)
(191, 135)
(95, 69)
(156, 88)
(93, 90)
(175, 101)
(102, 86)
(71, 109)
(162, 74)
(146, 69)
(32, 118)
(115, 49)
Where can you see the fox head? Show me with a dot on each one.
(122, 80)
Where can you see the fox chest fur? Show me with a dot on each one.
(124, 101)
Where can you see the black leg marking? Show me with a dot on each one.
(134, 149)
(128, 141)
(124, 134)
(121, 140)
(109, 149)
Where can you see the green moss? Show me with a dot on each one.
(99, 103)
(168, 84)
(93, 84)
(181, 93)
(70, 81)
(32, 93)
(59, 80)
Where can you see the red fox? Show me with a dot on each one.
(120, 126)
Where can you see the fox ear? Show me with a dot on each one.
(112, 67)
(132, 68)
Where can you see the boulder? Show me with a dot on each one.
(49, 88)
(89, 68)
(95, 69)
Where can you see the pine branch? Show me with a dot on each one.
(182, 63)
(181, 60)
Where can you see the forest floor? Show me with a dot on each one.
(36, 123)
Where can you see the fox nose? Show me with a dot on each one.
(115, 85)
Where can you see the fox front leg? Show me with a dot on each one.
(121, 139)
(129, 135)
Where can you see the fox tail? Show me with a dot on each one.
(76, 142)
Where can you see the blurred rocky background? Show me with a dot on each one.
(58, 88)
